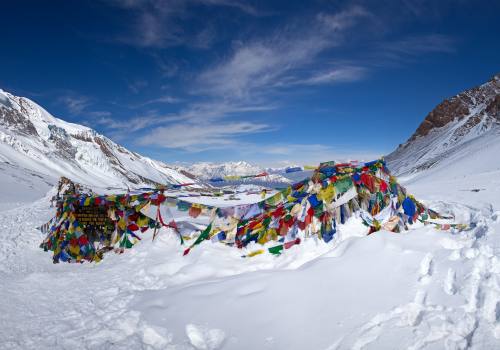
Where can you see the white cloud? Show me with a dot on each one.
(165, 99)
(240, 5)
(200, 137)
(344, 19)
(250, 67)
(256, 67)
(336, 75)
(75, 104)
(157, 23)
(205, 38)
(137, 85)
(199, 115)
(413, 46)
(123, 128)
(99, 114)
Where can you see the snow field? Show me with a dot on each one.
(419, 289)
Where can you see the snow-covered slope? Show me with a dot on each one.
(454, 125)
(34, 145)
(470, 174)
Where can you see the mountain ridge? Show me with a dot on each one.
(33, 139)
(205, 171)
(453, 124)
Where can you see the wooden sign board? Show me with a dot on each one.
(91, 215)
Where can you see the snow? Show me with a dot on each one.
(204, 339)
(4, 99)
(475, 167)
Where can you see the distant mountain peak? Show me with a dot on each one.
(208, 170)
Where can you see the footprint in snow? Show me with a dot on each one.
(413, 313)
(203, 338)
(449, 283)
(426, 266)
(496, 216)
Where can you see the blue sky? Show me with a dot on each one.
(270, 82)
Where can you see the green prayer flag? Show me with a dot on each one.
(325, 164)
(183, 206)
(276, 250)
(343, 185)
(204, 235)
(126, 243)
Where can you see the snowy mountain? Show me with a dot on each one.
(457, 123)
(208, 170)
(36, 149)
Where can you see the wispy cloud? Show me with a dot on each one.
(165, 99)
(335, 75)
(343, 19)
(121, 129)
(268, 63)
(197, 115)
(416, 45)
(197, 138)
(237, 4)
(99, 114)
(157, 23)
(137, 85)
(205, 38)
(407, 50)
(75, 104)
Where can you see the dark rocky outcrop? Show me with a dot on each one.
(448, 127)
(462, 105)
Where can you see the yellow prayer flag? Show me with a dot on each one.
(254, 253)
(74, 249)
(326, 194)
(142, 221)
(122, 224)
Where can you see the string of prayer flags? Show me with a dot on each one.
(237, 177)
(293, 169)
(87, 226)
(299, 168)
